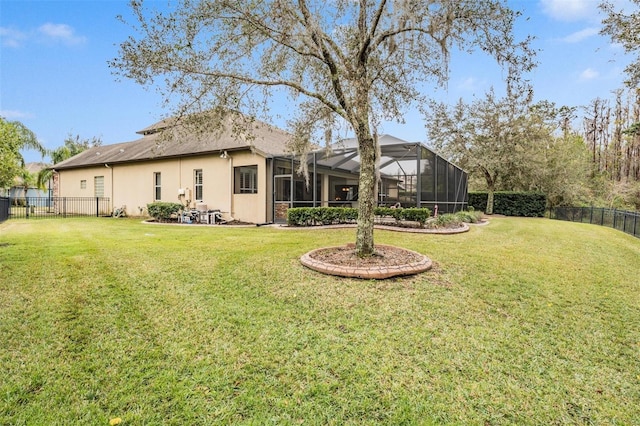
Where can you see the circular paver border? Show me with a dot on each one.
(372, 272)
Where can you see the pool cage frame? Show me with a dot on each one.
(411, 174)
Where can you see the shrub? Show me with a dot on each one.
(478, 201)
(310, 216)
(416, 215)
(526, 204)
(469, 216)
(446, 220)
(397, 214)
(162, 211)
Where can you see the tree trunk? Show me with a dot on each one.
(366, 195)
(491, 187)
(489, 209)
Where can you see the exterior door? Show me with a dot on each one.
(282, 201)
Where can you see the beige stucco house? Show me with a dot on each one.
(218, 169)
(250, 176)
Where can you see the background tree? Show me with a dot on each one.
(343, 61)
(73, 145)
(559, 162)
(511, 144)
(487, 137)
(624, 28)
(613, 139)
(25, 180)
(14, 137)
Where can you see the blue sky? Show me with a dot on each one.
(54, 76)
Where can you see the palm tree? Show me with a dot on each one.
(72, 146)
(15, 137)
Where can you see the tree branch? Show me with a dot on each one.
(329, 61)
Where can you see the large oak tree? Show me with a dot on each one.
(340, 61)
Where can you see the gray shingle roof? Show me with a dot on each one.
(161, 141)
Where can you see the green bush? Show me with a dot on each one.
(478, 201)
(416, 215)
(388, 211)
(162, 211)
(311, 216)
(446, 220)
(469, 216)
(525, 204)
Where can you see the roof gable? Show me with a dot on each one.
(166, 140)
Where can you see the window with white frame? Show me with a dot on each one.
(83, 184)
(98, 186)
(157, 186)
(197, 184)
(246, 180)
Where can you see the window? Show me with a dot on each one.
(98, 186)
(197, 184)
(157, 186)
(83, 184)
(246, 180)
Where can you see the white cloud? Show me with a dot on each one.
(47, 33)
(589, 74)
(578, 36)
(11, 37)
(13, 114)
(571, 10)
(60, 33)
(470, 84)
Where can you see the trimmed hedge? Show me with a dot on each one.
(526, 204)
(162, 211)
(310, 216)
(478, 200)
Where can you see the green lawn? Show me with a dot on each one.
(522, 321)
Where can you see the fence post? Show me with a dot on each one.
(97, 206)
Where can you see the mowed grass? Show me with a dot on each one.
(522, 321)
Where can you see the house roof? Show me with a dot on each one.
(166, 139)
(35, 167)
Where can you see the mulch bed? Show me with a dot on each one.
(383, 256)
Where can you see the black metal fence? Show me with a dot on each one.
(57, 207)
(4, 208)
(621, 220)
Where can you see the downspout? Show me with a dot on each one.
(113, 203)
(271, 216)
(230, 160)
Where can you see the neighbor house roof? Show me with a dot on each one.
(33, 168)
(165, 139)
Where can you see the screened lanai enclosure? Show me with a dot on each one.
(410, 174)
